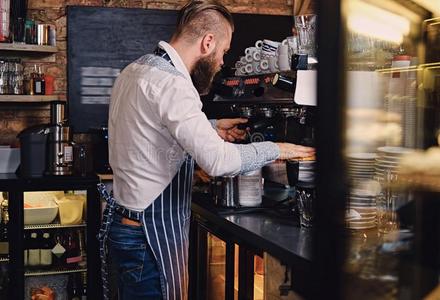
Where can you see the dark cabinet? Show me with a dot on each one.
(54, 254)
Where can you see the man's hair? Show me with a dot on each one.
(199, 17)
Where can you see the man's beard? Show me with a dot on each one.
(203, 74)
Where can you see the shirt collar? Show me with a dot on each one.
(175, 58)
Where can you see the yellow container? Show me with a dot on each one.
(71, 209)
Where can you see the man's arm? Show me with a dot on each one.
(180, 111)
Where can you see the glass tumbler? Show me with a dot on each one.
(306, 202)
(306, 28)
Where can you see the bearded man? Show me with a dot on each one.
(156, 131)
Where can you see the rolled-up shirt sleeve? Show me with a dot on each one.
(256, 155)
(180, 110)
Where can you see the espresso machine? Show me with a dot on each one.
(279, 107)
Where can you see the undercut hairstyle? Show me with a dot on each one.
(199, 17)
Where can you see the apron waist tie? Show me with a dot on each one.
(107, 218)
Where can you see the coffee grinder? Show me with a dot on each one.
(59, 142)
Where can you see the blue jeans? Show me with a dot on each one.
(133, 262)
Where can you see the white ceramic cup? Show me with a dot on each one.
(256, 56)
(238, 64)
(273, 64)
(249, 58)
(269, 48)
(264, 65)
(243, 70)
(249, 68)
(259, 44)
(283, 49)
(283, 62)
(251, 50)
(243, 60)
(256, 67)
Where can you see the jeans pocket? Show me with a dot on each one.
(127, 246)
(127, 259)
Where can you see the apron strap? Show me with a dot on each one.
(107, 219)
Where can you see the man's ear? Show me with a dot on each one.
(208, 44)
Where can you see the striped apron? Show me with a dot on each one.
(166, 225)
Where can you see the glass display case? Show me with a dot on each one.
(55, 248)
(378, 94)
(216, 271)
(48, 245)
(4, 245)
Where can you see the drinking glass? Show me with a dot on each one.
(306, 199)
(306, 28)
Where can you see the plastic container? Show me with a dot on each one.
(71, 209)
(250, 188)
(9, 159)
(37, 211)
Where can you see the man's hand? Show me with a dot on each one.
(227, 129)
(292, 151)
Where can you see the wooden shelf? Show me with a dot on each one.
(27, 48)
(28, 98)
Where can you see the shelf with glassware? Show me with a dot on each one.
(33, 41)
(59, 220)
(18, 85)
(23, 34)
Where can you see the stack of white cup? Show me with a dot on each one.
(266, 57)
(251, 63)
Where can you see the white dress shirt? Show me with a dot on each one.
(155, 119)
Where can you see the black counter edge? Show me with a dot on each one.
(240, 235)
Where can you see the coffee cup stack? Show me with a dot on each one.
(266, 56)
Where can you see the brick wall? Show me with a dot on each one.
(14, 118)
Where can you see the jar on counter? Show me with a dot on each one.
(4, 77)
(5, 7)
(250, 188)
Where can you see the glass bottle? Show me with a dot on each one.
(26, 248)
(31, 82)
(34, 250)
(82, 250)
(37, 84)
(42, 80)
(46, 249)
(72, 250)
(74, 292)
(84, 286)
